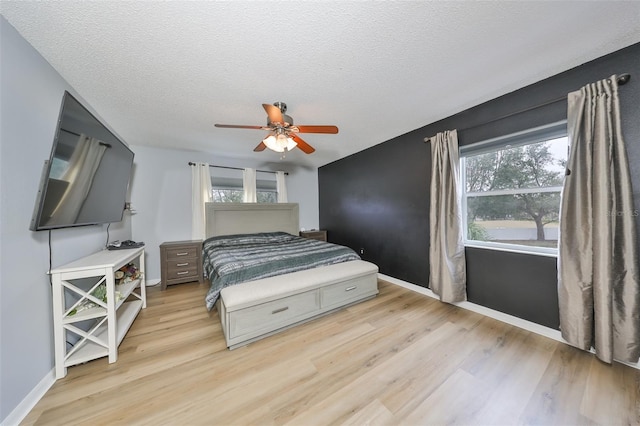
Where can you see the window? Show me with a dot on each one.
(511, 190)
(227, 195)
(229, 190)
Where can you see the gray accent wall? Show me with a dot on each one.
(30, 99)
(378, 199)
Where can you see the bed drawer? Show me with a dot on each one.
(271, 315)
(345, 292)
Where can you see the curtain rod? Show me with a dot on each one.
(622, 80)
(236, 168)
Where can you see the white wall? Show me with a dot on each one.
(302, 188)
(161, 195)
(30, 99)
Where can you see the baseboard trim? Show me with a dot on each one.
(26, 405)
(491, 313)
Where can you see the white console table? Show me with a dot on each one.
(104, 325)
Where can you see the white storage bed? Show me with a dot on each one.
(260, 308)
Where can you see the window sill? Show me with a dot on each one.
(536, 251)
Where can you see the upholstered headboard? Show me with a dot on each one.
(247, 218)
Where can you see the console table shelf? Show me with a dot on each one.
(99, 329)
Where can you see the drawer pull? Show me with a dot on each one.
(182, 273)
(183, 264)
(184, 253)
(280, 310)
(353, 287)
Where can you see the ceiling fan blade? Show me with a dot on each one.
(234, 126)
(317, 129)
(274, 113)
(261, 147)
(305, 147)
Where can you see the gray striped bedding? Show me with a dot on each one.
(234, 259)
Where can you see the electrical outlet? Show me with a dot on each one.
(362, 251)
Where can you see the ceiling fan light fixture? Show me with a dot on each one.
(280, 142)
(281, 139)
(272, 143)
(283, 134)
(291, 144)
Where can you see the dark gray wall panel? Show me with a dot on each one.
(376, 202)
(521, 286)
(378, 199)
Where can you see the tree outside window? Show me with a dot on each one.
(226, 195)
(512, 193)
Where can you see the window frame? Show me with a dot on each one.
(526, 137)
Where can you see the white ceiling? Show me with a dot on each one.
(162, 73)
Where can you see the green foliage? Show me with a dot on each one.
(528, 166)
(525, 167)
(100, 292)
(476, 232)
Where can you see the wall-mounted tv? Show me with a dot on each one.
(86, 178)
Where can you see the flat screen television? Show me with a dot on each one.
(86, 178)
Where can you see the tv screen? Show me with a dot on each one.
(85, 180)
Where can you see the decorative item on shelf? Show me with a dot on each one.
(127, 273)
(100, 292)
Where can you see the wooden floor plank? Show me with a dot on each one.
(375, 413)
(558, 396)
(604, 379)
(400, 358)
(456, 401)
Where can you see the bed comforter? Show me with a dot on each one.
(234, 259)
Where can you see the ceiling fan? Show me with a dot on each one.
(283, 134)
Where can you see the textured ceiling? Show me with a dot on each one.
(162, 73)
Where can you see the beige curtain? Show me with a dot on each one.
(598, 279)
(448, 274)
(201, 194)
(250, 194)
(281, 187)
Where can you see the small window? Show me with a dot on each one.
(229, 190)
(511, 190)
(226, 195)
(267, 196)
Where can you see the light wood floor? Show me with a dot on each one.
(399, 359)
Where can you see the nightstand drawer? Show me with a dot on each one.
(173, 265)
(184, 272)
(182, 252)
